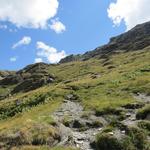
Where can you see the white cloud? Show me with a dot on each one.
(12, 30)
(3, 27)
(26, 40)
(57, 26)
(38, 60)
(132, 12)
(13, 59)
(28, 13)
(50, 53)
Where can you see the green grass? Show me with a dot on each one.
(145, 125)
(34, 125)
(64, 148)
(114, 87)
(134, 139)
(106, 141)
(42, 148)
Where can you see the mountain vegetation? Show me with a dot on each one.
(99, 100)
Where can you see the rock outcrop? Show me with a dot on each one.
(29, 78)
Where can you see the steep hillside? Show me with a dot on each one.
(20, 81)
(101, 103)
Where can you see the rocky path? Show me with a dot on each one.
(142, 100)
(74, 135)
(80, 132)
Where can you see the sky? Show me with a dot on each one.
(34, 31)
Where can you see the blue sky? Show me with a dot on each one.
(72, 27)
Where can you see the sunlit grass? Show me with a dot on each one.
(118, 78)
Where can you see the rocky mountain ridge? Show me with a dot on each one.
(134, 39)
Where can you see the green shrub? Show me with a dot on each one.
(143, 113)
(135, 139)
(138, 138)
(108, 110)
(97, 124)
(36, 134)
(105, 141)
(23, 104)
(144, 125)
(127, 144)
(66, 121)
(108, 129)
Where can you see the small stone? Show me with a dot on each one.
(99, 129)
(77, 145)
(111, 133)
(79, 142)
(133, 119)
(123, 132)
(94, 134)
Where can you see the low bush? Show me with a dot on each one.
(138, 138)
(36, 134)
(143, 113)
(19, 106)
(105, 141)
(108, 110)
(134, 139)
(144, 125)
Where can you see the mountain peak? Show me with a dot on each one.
(135, 39)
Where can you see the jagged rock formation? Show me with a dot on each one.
(29, 78)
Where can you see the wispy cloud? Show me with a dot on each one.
(7, 28)
(51, 54)
(26, 40)
(3, 26)
(13, 59)
(57, 26)
(38, 60)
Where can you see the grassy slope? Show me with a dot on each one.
(129, 74)
(119, 77)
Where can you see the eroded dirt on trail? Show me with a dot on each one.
(74, 135)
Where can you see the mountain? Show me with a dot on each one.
(96, 101)
(36, 74)
(135, 39)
